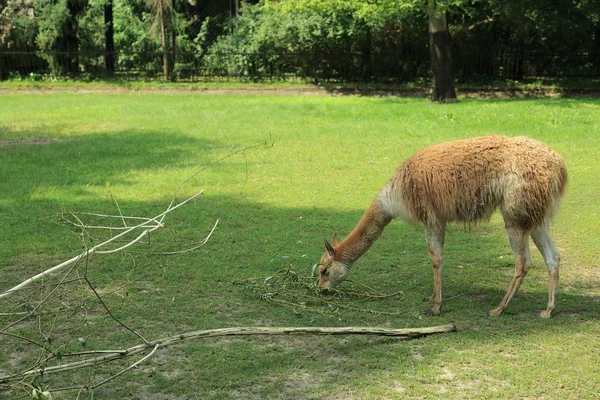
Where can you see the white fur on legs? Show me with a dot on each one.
(435, 242)
(543, 241)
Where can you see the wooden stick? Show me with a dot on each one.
(409, 333)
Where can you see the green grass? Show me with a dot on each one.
(330, 156)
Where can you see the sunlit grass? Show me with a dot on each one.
(323, 162)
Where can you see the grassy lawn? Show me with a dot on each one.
(328, 159)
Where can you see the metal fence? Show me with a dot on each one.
(375, 67)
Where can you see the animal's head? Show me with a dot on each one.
(332, 271)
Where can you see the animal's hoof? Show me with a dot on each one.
(545, 314)
(494, 313)
(427, 300)
(432, 311)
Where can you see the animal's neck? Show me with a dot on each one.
(366, 232)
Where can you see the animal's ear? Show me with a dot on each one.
(329, 248)
(335, 240)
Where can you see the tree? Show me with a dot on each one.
(346, 40)
(109, 38)
(441, 58)
(58, 34)
(162, 11)
(18, 30)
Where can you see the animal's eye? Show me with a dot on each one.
(325, 272)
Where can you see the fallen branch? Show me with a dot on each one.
(51, 361)
(95, 249)
(132, 366)
(405, 334)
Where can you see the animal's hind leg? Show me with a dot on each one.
(543, 241)
(519, 242)
(435, 242)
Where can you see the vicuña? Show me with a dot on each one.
(465, 181)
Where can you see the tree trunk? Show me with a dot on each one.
(594, 56)
(68, 47)
(109, 40)
(172, 28)
(368, 70)
(163, 38)
(441, 59)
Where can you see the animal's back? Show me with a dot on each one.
(467, 180)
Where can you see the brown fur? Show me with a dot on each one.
(465, 181)
(343, 254)
(367, 231)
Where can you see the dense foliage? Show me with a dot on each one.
(339, 39)
(320, 39)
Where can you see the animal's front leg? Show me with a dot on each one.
(435, 242)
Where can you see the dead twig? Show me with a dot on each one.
(25, 339)
(109, 312)
(114, 199)
(289, 289)
(170, 253)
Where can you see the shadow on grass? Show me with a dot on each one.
(192, 291)
(91, 160)
(251, 236)
(252, 241)
(256, 241)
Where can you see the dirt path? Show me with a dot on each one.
(311, 90)
(26, 142)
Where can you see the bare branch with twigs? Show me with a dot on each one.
(52, 301)
(158, 224)
(410, 333)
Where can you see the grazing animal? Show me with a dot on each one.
(465, 181)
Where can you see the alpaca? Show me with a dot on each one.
(465, 181)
